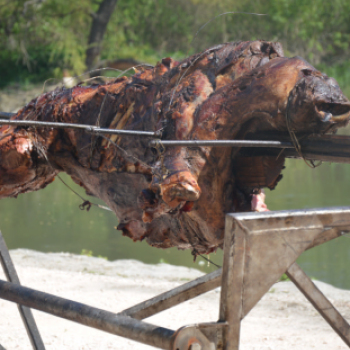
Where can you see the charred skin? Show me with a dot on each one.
(176, 196)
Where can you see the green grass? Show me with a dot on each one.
(88, 252)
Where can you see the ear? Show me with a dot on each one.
(307, 71)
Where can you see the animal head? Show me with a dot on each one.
(284, 94)
(317, 103)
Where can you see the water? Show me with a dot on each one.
(50, 221)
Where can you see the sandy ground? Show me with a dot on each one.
(282, 320)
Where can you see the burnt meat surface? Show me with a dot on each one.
(175, 196)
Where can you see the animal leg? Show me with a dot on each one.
(23, 168)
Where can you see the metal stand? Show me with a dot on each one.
(259, 248)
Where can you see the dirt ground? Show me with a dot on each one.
(282, 320)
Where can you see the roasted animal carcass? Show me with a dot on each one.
(175, 196)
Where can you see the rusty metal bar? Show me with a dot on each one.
(320, 302)
(26, 314)
(175, 296)
(124, 326)
(328, 148)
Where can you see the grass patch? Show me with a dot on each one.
(88, 252)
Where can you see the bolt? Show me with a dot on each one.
(195, 346)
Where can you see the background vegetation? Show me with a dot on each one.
(41, 38)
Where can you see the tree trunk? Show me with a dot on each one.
(98, 28)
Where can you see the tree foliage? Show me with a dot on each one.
(39, 38)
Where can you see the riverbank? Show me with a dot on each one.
(282, 320)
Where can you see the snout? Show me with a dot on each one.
(331, 105)
(317, 104)
(334, 112)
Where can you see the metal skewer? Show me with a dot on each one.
(328, 148)
(223, 143)
(89, 128)
(153, 134)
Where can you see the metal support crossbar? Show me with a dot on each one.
(175, 296)
(320, 302)
(89, 316)
(258, 249)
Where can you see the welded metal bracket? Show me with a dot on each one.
(203, 336)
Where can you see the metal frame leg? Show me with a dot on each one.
(26, 314)
(320, 302)
(232, 286)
